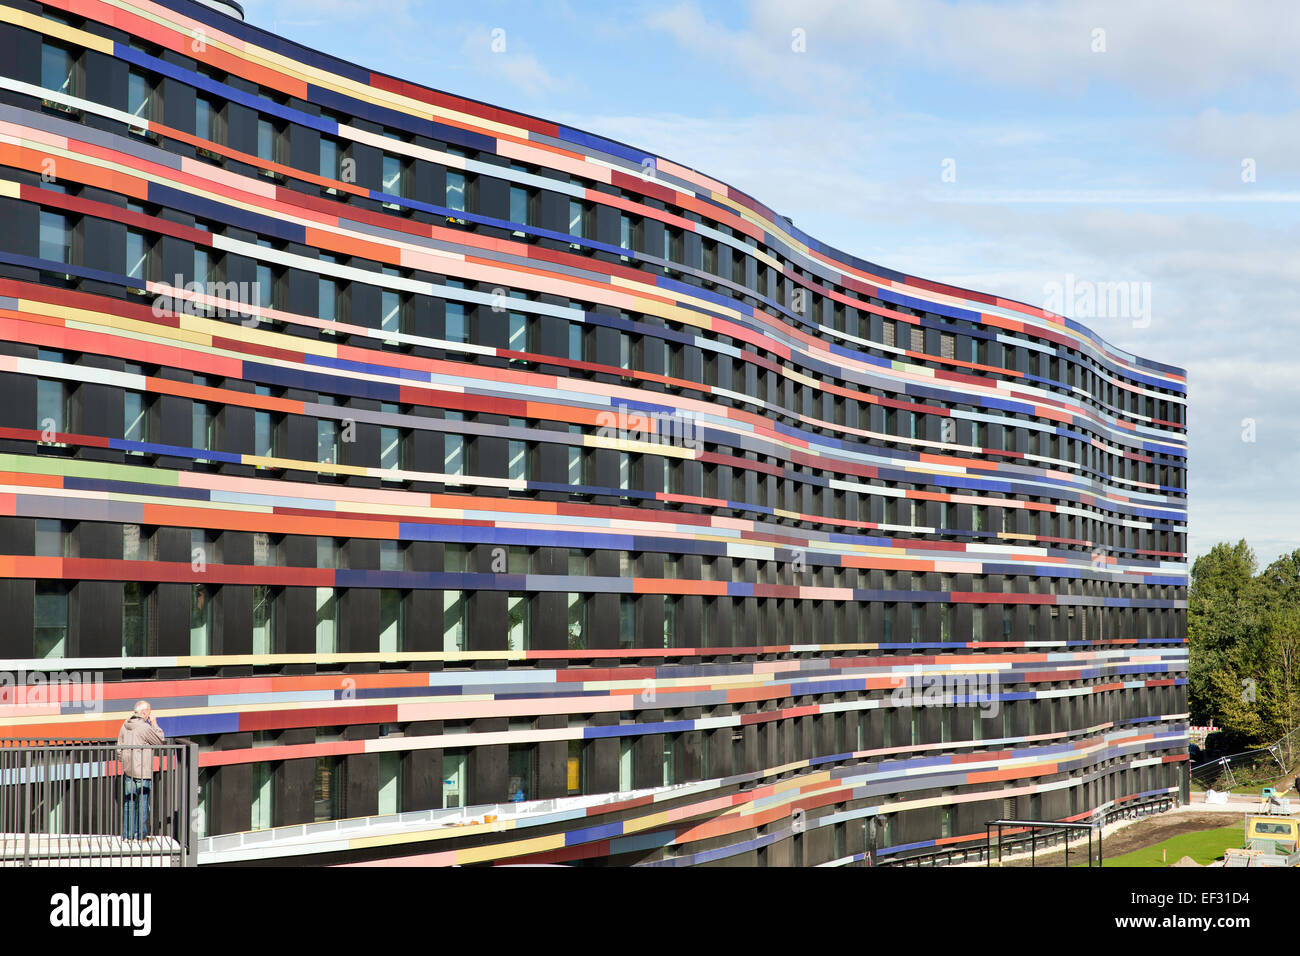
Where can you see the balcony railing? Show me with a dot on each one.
(62, 803)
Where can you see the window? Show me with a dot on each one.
(454, 606)
(329, 158)
(263, 619)
(625, 745)
(575, 218)
(327, 299)
(626, 621)
(390, 448)
(577, 769)
(518, 610)
(263, 797)
(327, 441)
(326, 621)
(51, 405)
(135, 628)
(55, 237)
(51, 619)
(266, 140)
(390, 312)
(135, 425)
(328, 804)
(51, 539)
(263, 435)
(669, 763)
(453, 455)
(521, 769)
(200, 619)
(390, 783)
(577, 621)
(454, 778)
(137, 254)
(56, 68)
(393, 180)
(519, 207)
(139, 99)
(206, 115)
(391, 620)
(456, 191)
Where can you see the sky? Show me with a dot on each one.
(1017, 148)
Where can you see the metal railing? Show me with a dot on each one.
(63, 803)
(982, 852)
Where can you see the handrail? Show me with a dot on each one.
(70, 802)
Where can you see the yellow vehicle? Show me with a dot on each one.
(1273, 834)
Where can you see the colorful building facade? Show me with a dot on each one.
(516, 495)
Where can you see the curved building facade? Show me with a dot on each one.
(527, 497)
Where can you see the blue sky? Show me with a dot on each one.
(1155, 144)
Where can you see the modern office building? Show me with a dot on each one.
(552, 501)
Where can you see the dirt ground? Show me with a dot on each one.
(1135, 836)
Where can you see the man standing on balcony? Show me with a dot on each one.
(139, 733)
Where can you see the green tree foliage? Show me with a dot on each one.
(1243, 634)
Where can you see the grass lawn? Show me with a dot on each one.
(1204, 847)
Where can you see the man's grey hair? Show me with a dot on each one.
(140, 707)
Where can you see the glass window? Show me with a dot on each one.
(454, 779)
(263, 797)
(519, 205)
(265, 282)
(626, 620)
(670, 768)
(575, 341)
(133, 619)
(391, 620)
(518, 609)
(390, 783)
(265, 139)
(200, 619)
(575, 218)
(50, 538)
(522, 772)
(139, 94)
(56, 68)
(137, 252)
(263, 619)
(390, 446)
(457, 324)
(326, 625)
(263, 435)
(328, 803)
(577, 769)
(135, 425)
(51, 405)
(454, 607)
(456, 191)
(327, 441)
(625, 763)
(327, 299)
(329, 157)
(453, 448)
(577, 621)
(203, 113)
(390, 310)
(517, 460)
(55, 237)
(392, 177)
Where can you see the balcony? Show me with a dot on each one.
(62, 803)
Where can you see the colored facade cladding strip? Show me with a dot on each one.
(906, 488)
